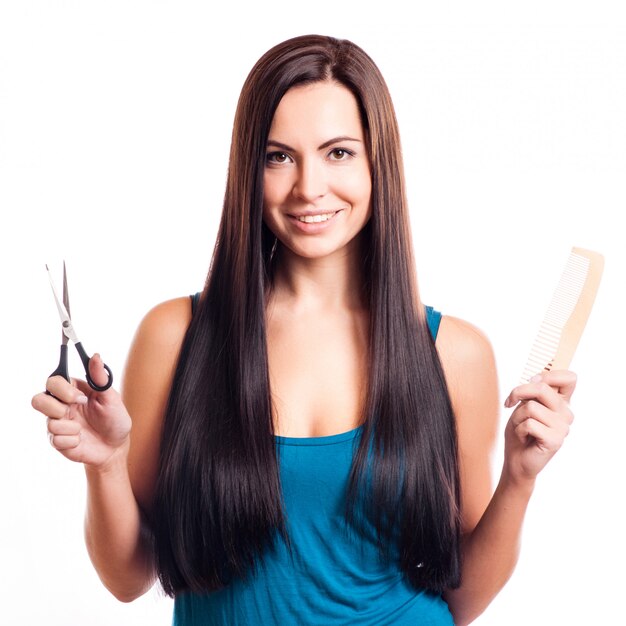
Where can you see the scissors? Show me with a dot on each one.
(68, 333)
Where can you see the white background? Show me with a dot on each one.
(115, 121)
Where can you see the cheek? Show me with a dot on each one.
(267, 189)
(275, 188)
(270, 201)
(267, 217)
(358, 186)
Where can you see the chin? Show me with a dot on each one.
(315, 249)
(315, 252)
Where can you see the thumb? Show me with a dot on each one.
(96, 370)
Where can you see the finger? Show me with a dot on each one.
(539, 391)
(532, 409)
(51, 406)
(564, 381)
(546, 437)
(63, 427)
(99, 376)
(64, 391)
(64, 442)
(97, 372)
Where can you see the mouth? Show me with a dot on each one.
(316, 223)
(316, 218)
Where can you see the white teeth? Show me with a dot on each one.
(316, 218)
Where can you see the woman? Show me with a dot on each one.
(302, 450)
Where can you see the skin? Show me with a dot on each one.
(316, 324)
(312, 286)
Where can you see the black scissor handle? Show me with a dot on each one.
(85, 359)
(61, 369)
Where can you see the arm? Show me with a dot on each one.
(94, 428)
(120, 494)
(117, 538)
(492, 524)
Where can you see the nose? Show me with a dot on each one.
(311, 182)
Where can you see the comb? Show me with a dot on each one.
(567, 314)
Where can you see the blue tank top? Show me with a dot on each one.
(333, 574)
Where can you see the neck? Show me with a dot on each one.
(333, 282)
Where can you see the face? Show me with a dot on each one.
(317, 182)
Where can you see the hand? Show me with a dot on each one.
(84, 425)
(539, 424)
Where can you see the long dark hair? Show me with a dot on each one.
(218, 500)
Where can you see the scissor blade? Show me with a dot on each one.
(66, 295)
(66, 322)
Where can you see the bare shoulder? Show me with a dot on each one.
(165, 324)
(146, 385)
(462, 345)
(469, 365)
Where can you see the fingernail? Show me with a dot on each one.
(82, 399)
(507, 402)
(536, 378)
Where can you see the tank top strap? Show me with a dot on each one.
(433, 317)
(195, 298)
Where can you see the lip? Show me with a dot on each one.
(313, 227)
(312, 212)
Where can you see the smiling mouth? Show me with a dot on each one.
(313, 219)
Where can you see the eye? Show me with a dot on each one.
(277, 157)
(340, 154)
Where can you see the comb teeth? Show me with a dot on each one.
(570, 292)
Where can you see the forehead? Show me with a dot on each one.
(318, 110)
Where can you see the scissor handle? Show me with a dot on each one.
(61, 369)
(85, 358)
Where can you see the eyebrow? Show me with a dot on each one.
(330, 142)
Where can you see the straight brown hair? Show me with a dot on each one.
(218, 504)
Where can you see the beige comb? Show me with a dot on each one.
(567, 314)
